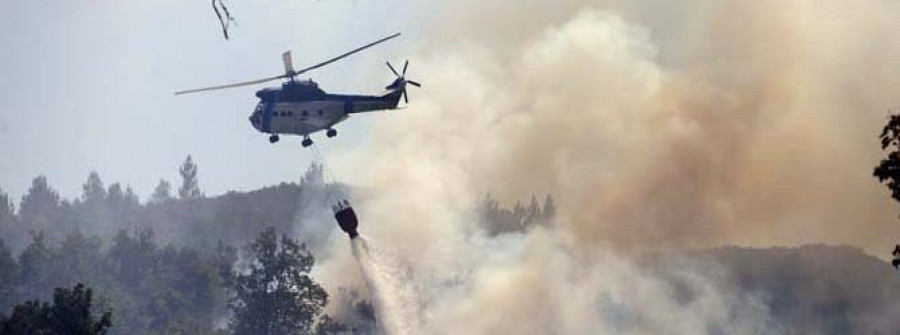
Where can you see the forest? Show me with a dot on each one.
(184, 263)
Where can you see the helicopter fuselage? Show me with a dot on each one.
(302, 108)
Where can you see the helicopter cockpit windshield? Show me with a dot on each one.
(256, 117)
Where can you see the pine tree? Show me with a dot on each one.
(9, 278)
(92, 208)
(549, 211)
(40, 208)
(190, 185)
(519, 213)
(93, 190)
(162, 192)
(7, 215)
(534, 212)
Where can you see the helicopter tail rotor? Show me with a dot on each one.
(400, 82)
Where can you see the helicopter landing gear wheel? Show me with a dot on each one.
(273, 138)
(306, 142)
(331, 133)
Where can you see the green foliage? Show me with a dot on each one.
(153, 289)
(71, 313)
(275, 295)
(167, 290)
(164, 267)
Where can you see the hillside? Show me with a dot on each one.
(812, 289)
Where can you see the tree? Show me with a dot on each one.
(34, 262)
(549, 210)
(9, 277)
(71, 313)
(162, 192)
(92, 208)
(888, 170)
(190, 186)
(93, 190)
(520, 212)
(121, 206)
(7, 215)
(533, 213)
(40, 206)
(276, 295)
(327, 325)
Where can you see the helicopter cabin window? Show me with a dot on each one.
(320, 112)
(305, 113)
(290, 113)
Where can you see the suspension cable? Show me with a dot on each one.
(330, 191)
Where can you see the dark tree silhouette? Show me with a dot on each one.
(190, 186)
(499, 220)
(40, 208)
(7, 215)
(93, 189)
(888, 170)
(162, 192)
(71, 313)
(9, 277)
(276, 295)
(549, 211)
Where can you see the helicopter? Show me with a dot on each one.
(300, 107)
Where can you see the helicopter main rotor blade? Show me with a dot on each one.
(413, 83)
(392, 69)
(405, 64)
(346, 54)
(254, 82)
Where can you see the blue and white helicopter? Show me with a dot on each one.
(300, 107)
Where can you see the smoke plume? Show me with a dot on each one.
(656, 125)
(691, 124)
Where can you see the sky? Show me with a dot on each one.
(691, 124)
(88, 85)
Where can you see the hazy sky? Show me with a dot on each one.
(87, 85)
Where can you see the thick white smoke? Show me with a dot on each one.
(655, 125)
